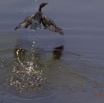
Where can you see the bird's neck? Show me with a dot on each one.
(40, 9)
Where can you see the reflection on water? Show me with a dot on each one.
(57, 52)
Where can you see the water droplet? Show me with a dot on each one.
(33, 42)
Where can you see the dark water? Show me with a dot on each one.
(72, 74)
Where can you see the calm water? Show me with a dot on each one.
(76, 76)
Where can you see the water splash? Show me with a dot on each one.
(28, 74)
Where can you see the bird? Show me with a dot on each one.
(38, 19)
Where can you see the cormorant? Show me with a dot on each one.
(35, 20)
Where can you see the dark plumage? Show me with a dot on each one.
(50, 25)
(35, 20)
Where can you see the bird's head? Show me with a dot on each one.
(42, 5)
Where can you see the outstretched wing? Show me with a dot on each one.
(30, 21)
(50, 25)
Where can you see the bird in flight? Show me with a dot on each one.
(38, 19)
